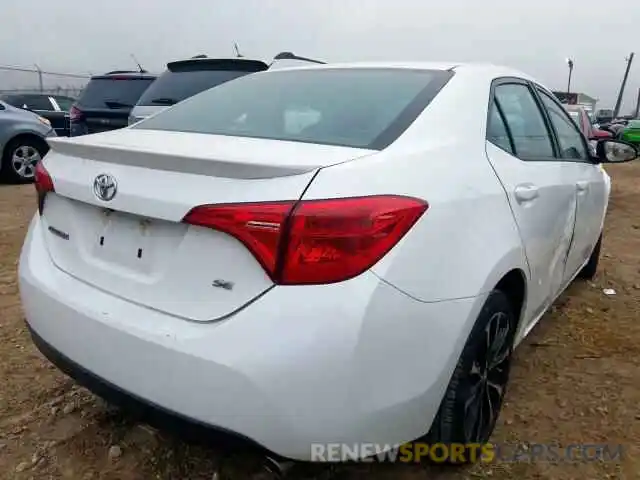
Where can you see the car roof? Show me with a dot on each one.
(467, 68)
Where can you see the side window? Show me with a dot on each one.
(14, 100)
(64, 103)
(571, 141)
(531, 138)
(38, 102)
(496, 129)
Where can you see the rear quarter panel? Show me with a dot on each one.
(467, 239)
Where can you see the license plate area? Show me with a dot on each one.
(126, 241)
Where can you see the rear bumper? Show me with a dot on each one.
(352, 362)
(143, 409)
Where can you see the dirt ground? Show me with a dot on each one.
(576, 379)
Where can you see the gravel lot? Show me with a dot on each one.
(576, 380)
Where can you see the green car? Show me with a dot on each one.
(631, 132)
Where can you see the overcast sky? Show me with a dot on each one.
(89, 36)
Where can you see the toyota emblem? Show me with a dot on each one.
(105, 187)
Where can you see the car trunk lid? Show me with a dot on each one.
(135, 245)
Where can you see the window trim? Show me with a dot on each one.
(539, 91)
(413, 110)
(498, 108)
(500, 81)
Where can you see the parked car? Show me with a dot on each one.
(631, 132)
(23, 142)
(107, 100)
(54, 108)
(580, 116)
(604, 116)
(185, 78)
(616, 126)
(317, 255)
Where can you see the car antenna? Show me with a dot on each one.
(237, 50)
(292, 56)
(142, 70)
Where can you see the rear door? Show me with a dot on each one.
(521, 149)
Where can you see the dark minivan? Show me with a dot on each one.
(186, 78)
(107, 101)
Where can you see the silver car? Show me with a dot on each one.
(22, 143)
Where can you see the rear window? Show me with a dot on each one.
(114, 93)
(184, 81)
(364, 108)
(635, 124)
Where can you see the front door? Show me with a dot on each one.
(589, 181)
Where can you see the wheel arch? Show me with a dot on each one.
(514, 285)
(20, 135)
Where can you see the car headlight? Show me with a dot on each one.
(44, 120)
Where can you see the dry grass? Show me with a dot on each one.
(576, 380)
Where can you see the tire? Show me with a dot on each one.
(31, 150)
(590, 269)
(453, 424)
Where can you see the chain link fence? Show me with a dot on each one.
(14, 79)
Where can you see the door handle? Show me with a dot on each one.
(582, 186)
(526, 193)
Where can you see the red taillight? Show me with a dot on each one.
(43, 183)
(315, 241)
(75, 114)
(258, 225)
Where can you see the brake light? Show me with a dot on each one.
(43, 183)
(315, 241)
(75, 114)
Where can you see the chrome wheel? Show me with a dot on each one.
(24, 160)
(487, 379)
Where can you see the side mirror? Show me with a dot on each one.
(615, 151)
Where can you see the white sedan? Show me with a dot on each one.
(335, 253)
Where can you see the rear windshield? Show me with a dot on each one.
(114, 93)
(365, 108)
(635, 124)
(174, 86)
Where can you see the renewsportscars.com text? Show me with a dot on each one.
(485, 453)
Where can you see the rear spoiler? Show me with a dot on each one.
(205, 63)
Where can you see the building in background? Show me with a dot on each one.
(575, 98)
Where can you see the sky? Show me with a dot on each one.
(87, 36)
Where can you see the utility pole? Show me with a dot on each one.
(616, 110)
(570, 65)
(637, 112)
(40, 78)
